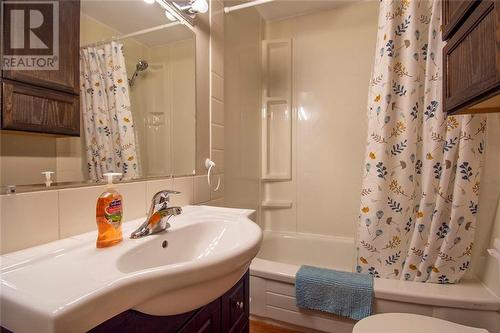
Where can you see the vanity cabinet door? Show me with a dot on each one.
(45, 101)
(35, 109)
(206, 320)
(66, 78)
(454, 13)
(236, 307)
(471, 59)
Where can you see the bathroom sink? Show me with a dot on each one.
(69, 285)
(204, 239)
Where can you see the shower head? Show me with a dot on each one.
(141, 66)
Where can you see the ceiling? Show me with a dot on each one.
(128, 16)
(281, 9)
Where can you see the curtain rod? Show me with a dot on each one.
(133, 34)
(245, 5)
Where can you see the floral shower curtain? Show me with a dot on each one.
(422, 174)
(109, 129)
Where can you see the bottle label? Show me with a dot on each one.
(113, 213)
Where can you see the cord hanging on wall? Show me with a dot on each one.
(209, 164)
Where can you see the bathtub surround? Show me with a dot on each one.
(325, 84)
(110, 140)
(422, 169)
(331, 62)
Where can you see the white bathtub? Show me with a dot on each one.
(272, 291)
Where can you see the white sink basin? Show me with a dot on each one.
(69, 285)
(187, 243)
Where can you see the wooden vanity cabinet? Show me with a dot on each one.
(235, 308)
(227, 314)
(471, 57)
(46, 101)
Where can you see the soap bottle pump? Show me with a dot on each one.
(109, 212)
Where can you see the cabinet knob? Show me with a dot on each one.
(240, 305)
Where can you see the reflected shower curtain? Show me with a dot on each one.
(109, 129)
(422, 174)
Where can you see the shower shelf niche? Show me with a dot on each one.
(276, 177)
(276, 110)
(276, 204)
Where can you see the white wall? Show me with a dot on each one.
(332, 59)
(217, 98)
(242, 117)
(24, 156)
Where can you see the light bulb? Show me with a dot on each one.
(170, 16)
(199, 6)
(149, 1)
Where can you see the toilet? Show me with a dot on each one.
(409, 323)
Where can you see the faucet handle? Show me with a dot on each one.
(163, 196)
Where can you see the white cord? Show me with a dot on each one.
(209, 164)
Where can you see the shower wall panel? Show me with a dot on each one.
(333, 54)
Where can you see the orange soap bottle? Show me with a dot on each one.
(109, 212)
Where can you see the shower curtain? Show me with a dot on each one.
(110, 141)
(419, 198)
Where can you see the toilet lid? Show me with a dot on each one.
(410, 323)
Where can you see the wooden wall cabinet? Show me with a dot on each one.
(454, 14)
(36, 109)
(471, 57)
(46, 101)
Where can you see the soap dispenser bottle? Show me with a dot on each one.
(109, 212)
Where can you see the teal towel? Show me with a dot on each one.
(342, 293)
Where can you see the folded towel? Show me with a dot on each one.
(342, 293)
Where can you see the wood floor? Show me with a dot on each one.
(260, 327)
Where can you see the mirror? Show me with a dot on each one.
(138, 103)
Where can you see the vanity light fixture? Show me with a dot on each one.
(173, 12)
(191, 7)
(199, 6)
(149, 1)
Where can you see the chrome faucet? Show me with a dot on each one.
(158, 215)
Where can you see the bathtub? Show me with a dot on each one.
(272, 287)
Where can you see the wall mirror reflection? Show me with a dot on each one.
(137, 103)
